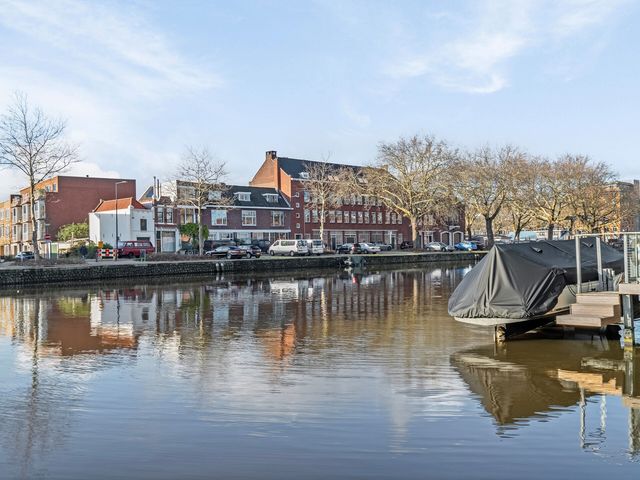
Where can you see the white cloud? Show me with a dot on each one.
(476, 57)
(104, 45)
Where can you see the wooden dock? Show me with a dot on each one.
(592, 310)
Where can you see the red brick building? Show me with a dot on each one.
(59, 201)
(358, 218)
(253, 213)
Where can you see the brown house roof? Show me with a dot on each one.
(123, 203)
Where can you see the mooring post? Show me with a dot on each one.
(578, 266)
(628, 320)
(599, 263)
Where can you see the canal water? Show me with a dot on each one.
(329, 375)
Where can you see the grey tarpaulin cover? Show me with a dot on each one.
(523, 280)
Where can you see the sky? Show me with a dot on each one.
(138, 81)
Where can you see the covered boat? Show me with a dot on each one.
(525, 280)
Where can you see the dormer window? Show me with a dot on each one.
(271, 197)
(304, 174)
(243, 196)
(215, 196)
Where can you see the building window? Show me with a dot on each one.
(387, 218)
(271, 197)
(243, 196)
(277, 219)
(307, 216)
(353, 217)
(297, 205)
(373, 217)
(360, 217)
(248, 218)
(306, 196)
(213, 196)
(297, 214)
(366, 217)
(339, 216)
(359, 199)
(143, 224)
(314, 215)
(297, 225)
(380, 218)
(218, 217)
(393, 217)
(160, 214)
(399, 219)
(169, 215)
(332, 216)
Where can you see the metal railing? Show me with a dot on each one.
(631, 244)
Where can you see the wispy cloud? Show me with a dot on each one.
(475, 58)
(99, 43)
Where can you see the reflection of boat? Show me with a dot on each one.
(523, 381)
(527, 281)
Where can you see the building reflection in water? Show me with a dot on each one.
(521, 381)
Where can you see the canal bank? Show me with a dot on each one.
(107, 270)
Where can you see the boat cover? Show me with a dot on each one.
(524, 280)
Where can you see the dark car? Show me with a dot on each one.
(218, 251)
(478, 245)
(253, 250)
(262, 244)
(406, 244)
(344, 248)
(25, 256)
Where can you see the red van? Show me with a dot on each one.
(134, 248)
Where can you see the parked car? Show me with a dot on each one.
(263, 244)
(253, 250)
(243, 251)
(465, 246)
(316, 247)
(24, 256)
(364, 247)
(406, 244)
(344, 248)
(219, 251)
(289, 247)
(478, 245)
(439, 247)
(135, 248)
(384, 247)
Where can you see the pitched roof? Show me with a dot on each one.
(258, 198)
(295, 166)
(110, 205)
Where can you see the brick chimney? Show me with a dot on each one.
(271, 155)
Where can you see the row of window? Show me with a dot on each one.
(249, 218)
(338, 216)
(348, 200)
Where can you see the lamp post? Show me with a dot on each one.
(117, 236)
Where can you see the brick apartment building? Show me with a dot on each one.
(60, 200)
(253, 213)
(358, 219)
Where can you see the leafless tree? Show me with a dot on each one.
(325, 186)
(552, 190)
(34, 144)
(594, 197)
(482, 180)
(199, 184)
(519, 207)
(410, 176)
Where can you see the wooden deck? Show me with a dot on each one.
(592, 310)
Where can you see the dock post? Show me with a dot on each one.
(628, 320)
(578, 266)
(599, 263)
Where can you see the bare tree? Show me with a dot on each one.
(519, 205)
(482, 181)
(552, 191)
(594, 198)
(324, 183)
(410, 176)
(34, 144)
(199, 184)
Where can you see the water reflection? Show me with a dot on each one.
(523, 381)
(357, 373)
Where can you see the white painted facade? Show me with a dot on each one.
(133, 224)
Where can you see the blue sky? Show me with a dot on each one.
(137, 81)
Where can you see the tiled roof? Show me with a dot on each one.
(110, 205)
(295, 166)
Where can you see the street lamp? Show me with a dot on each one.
(117, 236)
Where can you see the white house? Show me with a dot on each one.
(134, 221)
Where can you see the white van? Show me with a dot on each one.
(289, 247)
(316, 246)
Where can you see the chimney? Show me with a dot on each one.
(271, 155)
